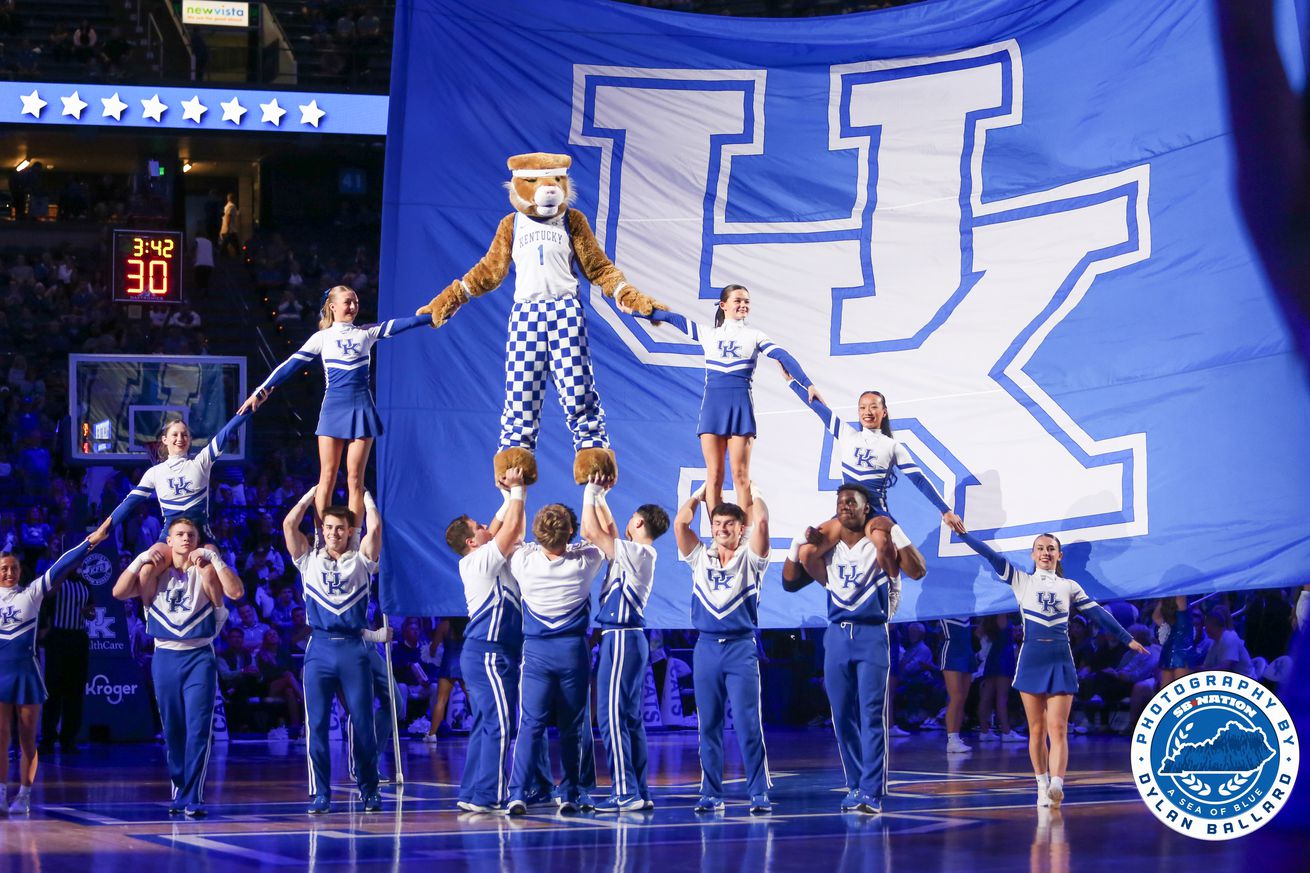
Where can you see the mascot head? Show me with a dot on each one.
(539, 184)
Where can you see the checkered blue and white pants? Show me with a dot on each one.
(549, 336)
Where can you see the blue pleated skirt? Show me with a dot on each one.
(1045, 667)
(349, 415)
(20, 681)
(957, 650)
(727, 411)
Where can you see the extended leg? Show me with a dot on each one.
(570, 369)
(527, 359)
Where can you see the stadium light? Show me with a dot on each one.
(22, 165)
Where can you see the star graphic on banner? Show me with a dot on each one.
(113, 107)
(272, 112)
(74, 105)
(32, 104)
(311, 114)
(154, 108)
(192, 109)
(233, 110)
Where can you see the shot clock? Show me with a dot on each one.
(147, 266)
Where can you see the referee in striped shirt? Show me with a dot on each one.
(67, 657)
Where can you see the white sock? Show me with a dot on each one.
(24, 790)
(1057, 782)
(952, 738)
(1043, 781)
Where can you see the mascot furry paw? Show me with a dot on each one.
(545, 240)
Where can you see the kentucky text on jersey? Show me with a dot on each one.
(181, 609)
(725, 598)
(181, 484)
(870, 457)
(731, 350)
(336, 591)
(544, 263)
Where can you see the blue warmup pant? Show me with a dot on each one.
(556, 679)
(728, 669)
(185, 685)
(856, 662)
(620, 680)
(332, 664)
(382, 715)
(491, 675)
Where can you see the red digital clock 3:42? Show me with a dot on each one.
(147, 266)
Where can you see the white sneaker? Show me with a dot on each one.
(1043, 797)
(897, 731)
(22, 804)
(957, 747)
(1053, 797)
(278, 733)
(931, 724)
(429, 738)
(988, 736)
(1013, 737)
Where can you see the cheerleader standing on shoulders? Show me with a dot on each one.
(348, 421)
(727, 410)
(22, 690)
(1044, 674)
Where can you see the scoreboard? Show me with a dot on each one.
(147, 266)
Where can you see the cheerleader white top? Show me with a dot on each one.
(336, 590)
(627, 586)
(725, 597)
(556, 591)
(492, 593)
(346, 351)
(871, 458)
(858, 590)
(1046, 600)
(181, 616)
(180, 484)
(20, 607)
(731, 350)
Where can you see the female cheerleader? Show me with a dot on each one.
(997, 680)
(21, 686)
(957, 663)
(727, 411)
(348, 420)
(1173, 620)
(1044, 673)
(179, 482)
(871, 457)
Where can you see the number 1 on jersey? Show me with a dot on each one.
(541, 255)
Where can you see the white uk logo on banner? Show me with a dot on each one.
(931, 288)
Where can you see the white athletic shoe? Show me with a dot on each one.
(1043, 797)
(1013, 736)
(897, 731)
(1053, 797)
(22, 804)
(957, 747)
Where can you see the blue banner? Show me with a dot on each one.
(1013, 219)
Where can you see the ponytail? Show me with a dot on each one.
(325, 306)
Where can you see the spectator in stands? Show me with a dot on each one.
(919, 686)
(300, 631)
(252, 629)
(289, 313)
(84, 42)
(278, 679)
(265, 561)
(60, 43)
(1228, 652)
(449, 634)
(185, 317)
(412, 677)
(1108, 687)
(1268, 624)
(238, 675)
(229, 228)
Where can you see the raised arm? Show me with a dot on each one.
(1002, 567)
(305, 355)
(393, 326)
(793, 367)
(597, 524)
(142, 491)
(213, 565)
(371, 545)
(297, 545)
(831, 421)
(759, 520)
(511, 521)
(63, 565)
(212, 452)
(909, 465)
(682, 532)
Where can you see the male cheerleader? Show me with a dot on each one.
(726, 581)
(554, 581)
(493, 644)
(183, 600)
(621, 673)
(336, 581)
(856, 658)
